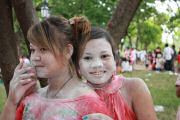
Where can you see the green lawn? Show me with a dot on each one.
(161, 86)
(2, 96)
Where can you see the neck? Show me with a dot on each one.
(58, 80)
(53, 92)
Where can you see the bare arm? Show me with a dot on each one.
(9, 108)
(142, 101)
(19, 84)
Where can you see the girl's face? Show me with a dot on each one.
(45, 63)
(97, 63)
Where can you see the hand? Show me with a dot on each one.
(23, 79)
(96, 116)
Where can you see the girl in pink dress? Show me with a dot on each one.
(66, 97)
(126, 98)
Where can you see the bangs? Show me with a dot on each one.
(38, 36)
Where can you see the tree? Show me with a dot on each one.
(151, 33)
(121, 18)
(27, 16)
(8, 48)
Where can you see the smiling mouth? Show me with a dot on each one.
(97, 73)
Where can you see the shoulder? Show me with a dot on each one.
(83, 89)
(135, 86)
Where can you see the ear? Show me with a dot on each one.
(69, 51)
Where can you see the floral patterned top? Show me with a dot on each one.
(116, 104)
(35, 107)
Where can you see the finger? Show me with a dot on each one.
(31, 89)
(27, 86)
(26, 81)
(19, 66)
(27, 70)
(27, 76)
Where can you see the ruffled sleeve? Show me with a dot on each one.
(115, 102)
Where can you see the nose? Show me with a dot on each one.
(96, 63)
(35, 57)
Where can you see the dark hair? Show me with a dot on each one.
(95, 33)
(173, 46)
(58, 32)
(166, 45)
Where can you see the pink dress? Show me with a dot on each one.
(116, 104)
(35, 107)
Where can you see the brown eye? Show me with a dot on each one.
(43, 49)
(87, 58)
(105, 56)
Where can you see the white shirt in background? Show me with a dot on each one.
(168, 52)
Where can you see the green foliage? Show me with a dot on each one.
(176, 38)
(151, 34)
(98, 12)
(147, 22)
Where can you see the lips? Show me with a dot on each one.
(97, 73)
(38, 66)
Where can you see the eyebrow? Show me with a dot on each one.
(104, 51)
(87, 53)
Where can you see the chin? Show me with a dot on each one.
(99, 82)
(40, 75)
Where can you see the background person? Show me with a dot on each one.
(168, 54)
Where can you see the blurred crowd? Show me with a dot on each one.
(167, 59)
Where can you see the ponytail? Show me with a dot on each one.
(81, 28)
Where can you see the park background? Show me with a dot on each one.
(145, 24)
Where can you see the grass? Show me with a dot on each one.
(161, 86)
(2, 97)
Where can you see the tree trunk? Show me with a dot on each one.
(130, 40)
(26, 15)
(121, 18)
(8, 48)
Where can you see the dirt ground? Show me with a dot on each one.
(141, 66)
